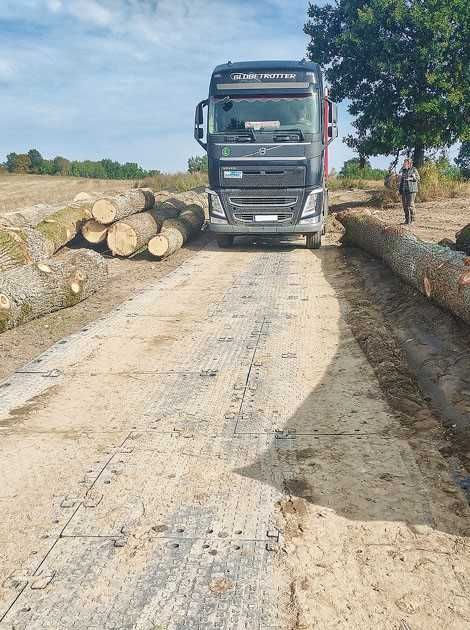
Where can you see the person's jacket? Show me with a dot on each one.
(409, 180)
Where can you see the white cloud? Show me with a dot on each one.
(54, 5)
(7, 70)
(120, 78)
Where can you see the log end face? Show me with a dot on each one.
(122, 239)
(104, 211)
(5, 303)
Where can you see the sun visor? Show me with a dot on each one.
(263, 82)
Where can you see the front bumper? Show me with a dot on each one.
(239, 230)
(243, 208)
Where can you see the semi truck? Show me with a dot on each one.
(266, 127)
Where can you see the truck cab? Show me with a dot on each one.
(266, 127)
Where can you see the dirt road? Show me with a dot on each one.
(217, 453)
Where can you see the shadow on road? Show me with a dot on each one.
(374, 473)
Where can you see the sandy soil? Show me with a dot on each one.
(21, 191)
(125, 446)
(374, 521)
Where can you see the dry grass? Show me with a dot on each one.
(20, 191)
(175, 182)
(350, 183)
(433, 186)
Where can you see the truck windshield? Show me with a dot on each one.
(264, 113)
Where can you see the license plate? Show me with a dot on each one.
(233, 174)
(263, 218)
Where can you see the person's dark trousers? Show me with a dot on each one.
(408, 201)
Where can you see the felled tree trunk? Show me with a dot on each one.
(438, 272)
(130, 235)
(23, 245)
(34, 290)
(107, 210)
(176, 232)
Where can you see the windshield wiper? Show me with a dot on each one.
(246, 133)
(297, 130)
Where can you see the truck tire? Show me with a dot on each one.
(314, 240)
(224, 241)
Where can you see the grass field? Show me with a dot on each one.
(20, 191)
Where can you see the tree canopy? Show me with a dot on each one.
(403, 64)
(33, 162)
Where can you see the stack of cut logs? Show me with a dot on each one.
(34, 282)
(140, 220)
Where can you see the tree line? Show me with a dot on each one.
(404, 67)
(33, 162)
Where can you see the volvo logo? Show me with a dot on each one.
(262, 151)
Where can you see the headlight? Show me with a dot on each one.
(215, 206)
(312, 205)
(315, 218)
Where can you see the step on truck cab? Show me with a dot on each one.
(267, 131)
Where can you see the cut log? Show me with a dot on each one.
(31, 291)
(176, 232)
(166, 243)
(21, 246)
(107, 210)
(438, 272)
(94, 232)
(462, 240)
(129, 235)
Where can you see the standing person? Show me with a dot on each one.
(409, 180)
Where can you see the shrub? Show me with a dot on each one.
(175, 182)
(352, 169)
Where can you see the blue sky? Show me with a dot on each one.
(120, 78)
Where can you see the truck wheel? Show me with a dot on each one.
(314, 240)
(224, 241)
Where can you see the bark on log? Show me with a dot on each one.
(21, 246)
(462, 240)
(130, 235)
(34, 290)
(94, 232)
(110, 209)
(438, 272)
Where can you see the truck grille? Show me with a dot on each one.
(268, 202)
(248, 217)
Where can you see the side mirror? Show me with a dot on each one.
(199, 122)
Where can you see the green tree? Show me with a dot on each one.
(11, 162)
(198, 163)
(35, 159)
(463, 159)
(23, 163)
(404, 65)
(61, 165)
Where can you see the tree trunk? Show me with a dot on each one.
(176, 232)
(438, 272)
(418, 155)
(127, 236)
(110, 209)
(34, 290)
(166, 243)
(362, 161)
(23, 245)
(94, 232)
